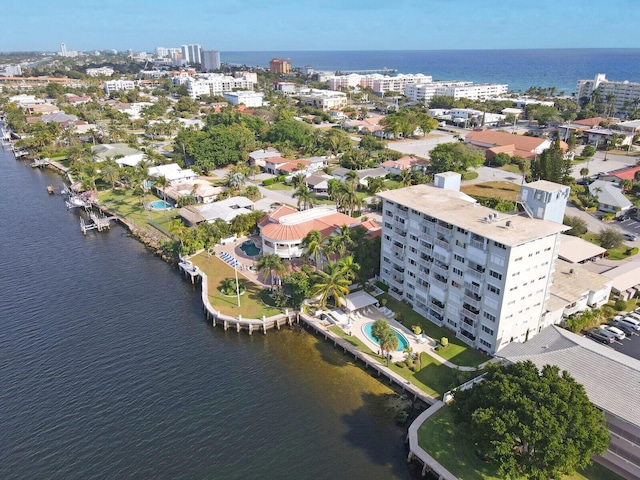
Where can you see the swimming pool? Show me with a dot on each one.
(250, 248)
(160, 205)
(402, 341)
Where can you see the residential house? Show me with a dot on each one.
(123, 154)
(226, 210)
(404, 163)
(631, 126)
(318, 182)
(494, 142)
(173, 173)
(627, 173)
(283, 229)
(272, 164)
(259, 157)
(610, 197)
(600, 136)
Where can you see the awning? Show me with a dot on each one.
(358, 300)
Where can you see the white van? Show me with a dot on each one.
(631, 322)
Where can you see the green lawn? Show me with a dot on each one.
(250, 304)
(452, 448)
(457, 351)
(619, 253)
(391, 184)
(126, 204)
(279, 186)
(433, 378)
(511, 167)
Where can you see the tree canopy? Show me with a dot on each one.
(455, 157)
(536, 424)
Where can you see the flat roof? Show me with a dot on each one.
(546, 186)
(625, 276)
(610, 378)
(576, 250)
(463, 211)
(571, 282)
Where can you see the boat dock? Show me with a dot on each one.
(40, 163)
(96, 223)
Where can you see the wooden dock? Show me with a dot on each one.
(97, 223)
(40, 163)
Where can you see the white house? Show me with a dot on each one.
(249, 99)
(172, 172)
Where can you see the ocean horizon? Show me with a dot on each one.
(519, 68)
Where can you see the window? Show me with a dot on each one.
(485, 343)
(486, 329)
(547, 249)
(458, 258)
(461, 244)
(461, 230)
(495, 274)
(457, 271)
(493, 289)
(518, 259)
(489, 317)
(413, 237)
(497, 259)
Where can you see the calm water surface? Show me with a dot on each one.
(107, 369)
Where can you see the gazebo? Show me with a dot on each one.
(358, 300)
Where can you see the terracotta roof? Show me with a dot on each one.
(591, 122)
(274, 216)
(498, 139)
(289, 232)
(292, 166)
(372, 227)
(277, 160)
(624, 173)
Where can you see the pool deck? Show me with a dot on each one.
(419, 343)
(245, 261)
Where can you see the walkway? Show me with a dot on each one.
(354, 325)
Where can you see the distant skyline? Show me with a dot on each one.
(254, 25)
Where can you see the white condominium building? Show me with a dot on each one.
(484, 275)
(378, 82)
(323, 99)
(94, 72)
(216, 84)
(192, 53)
(115, 85)
(457, 90)
(624, 93)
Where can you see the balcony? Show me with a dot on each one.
(475, 273)
(443, 230)
(398, 268)
(426, 245)
(478, 244)
(467, 329)
(472, 301)
(436, 308)
(439, 270)
(396, 282)
(474, 288)
(437, 282)
(442, 244)
(397, 251)
(468, 313)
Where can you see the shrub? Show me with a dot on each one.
(417, 329)
(444, 341)
(620, 305)
(383, 302)
(402, 416)
(415, 368)
(401, 364)
(269, 181)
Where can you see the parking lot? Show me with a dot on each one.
(629, 346)
(631, 225)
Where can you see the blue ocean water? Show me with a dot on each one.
(520, 69)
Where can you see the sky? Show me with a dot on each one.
(298, 25)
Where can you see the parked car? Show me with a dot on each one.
(619, 334)
(631, 322)
(634, 315)
(627, 329)
(622, 218)
(601, 335)
(630, 237)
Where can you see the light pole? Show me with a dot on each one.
(235, 269)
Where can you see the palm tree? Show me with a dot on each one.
(178, 229)
(343, 236)
(163, 183)
(388, 343)
(349, 199)
(330, 283)
(349, 267)
(375, 185)
(306, 198)
(405, 177)
(312, 244)
(110, 172)
(271, 264)
(584, 171)
(298, 180)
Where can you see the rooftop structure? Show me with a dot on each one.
(626, 280)
(611, 381)
(172, 172)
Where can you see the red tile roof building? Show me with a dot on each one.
(501, 142)
(283, 229)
